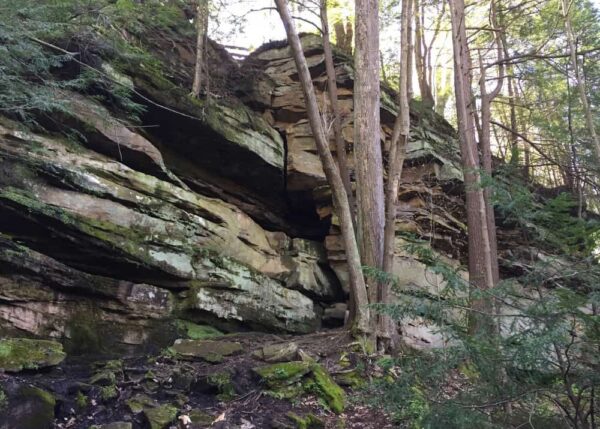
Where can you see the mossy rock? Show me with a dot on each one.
(277, 352)
(351, 378)
(160, 417)
(200, 418)
(104, 377)
(17, 354)
(137, 403)
(108, 392)
(197, 332)
(284, 373)
(222, 381)
(291, 379)
(328, 390)
(210, 351)
(30, 408)
(310, 421)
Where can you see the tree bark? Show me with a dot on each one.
(421, 57)
(589, 120)
(343, 36)
(340, 144)
(485, 138)
(367, 141)
(357, 282)
(481, 274)
(200, 72)
(395, 163)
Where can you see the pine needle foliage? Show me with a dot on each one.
(542, 368)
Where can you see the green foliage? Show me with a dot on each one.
(544, 363)
(78, 45)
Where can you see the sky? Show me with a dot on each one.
(261, 23)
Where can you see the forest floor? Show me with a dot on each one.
(212, 382)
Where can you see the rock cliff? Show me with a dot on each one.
(213, 210)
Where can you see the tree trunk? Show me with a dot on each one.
(395, 163)
(485, 139)
(200, 72)
(357, 283)
(481, 274)
(343, 36)
(367, 141)
(340, 144)
(589, 120)
(421, 57)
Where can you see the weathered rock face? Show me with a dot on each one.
(212, 211)
(87, 219)
(429, 195)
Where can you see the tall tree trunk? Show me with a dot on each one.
(411, 50)
(485, 138)
(589, 120)
(358, 288)
(367, 139)
(421, 57)
(481, 275)
(395, 163)
(200, 72)
(343, 36)
(340, 144)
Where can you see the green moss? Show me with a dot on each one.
(42, 405)
(328, 390)
(222, 381)
(84, 334)
(353, 378)
(310, 421)
(284, 373)
(161, 416)
(81, 400)
(137, 403)
(108, 392)
(200, 418)
(17, 354)
(291, 379)
(197, 332)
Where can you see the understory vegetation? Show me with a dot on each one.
(542, 369)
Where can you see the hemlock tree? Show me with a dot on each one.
(367, 140)
(200, 70)
(483, 262)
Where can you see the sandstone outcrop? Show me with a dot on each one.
(211, 210)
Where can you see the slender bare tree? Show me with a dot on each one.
(340, 143)
(200, 73)
(485, 138)
(358, 290)
(422, 55)
(567, 6)
(396, 157)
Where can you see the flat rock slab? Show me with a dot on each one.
(17, 354)
(278, 352)
(210, 351)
